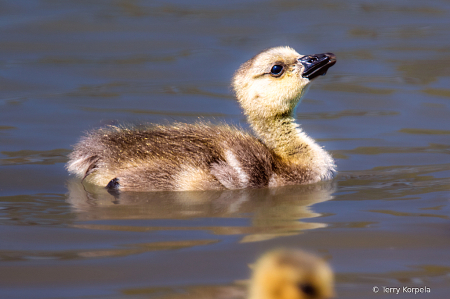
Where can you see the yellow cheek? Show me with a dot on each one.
(291, 292)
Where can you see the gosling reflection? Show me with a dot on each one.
(272, 212)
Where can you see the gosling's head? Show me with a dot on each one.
(291, 274)
(272, 83)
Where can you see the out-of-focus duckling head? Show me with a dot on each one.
(291, 274)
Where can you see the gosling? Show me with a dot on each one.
(291, 274)
(202, 156)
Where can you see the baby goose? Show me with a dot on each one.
(291, 274)
(200, 156)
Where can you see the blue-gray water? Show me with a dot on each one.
(383, 111)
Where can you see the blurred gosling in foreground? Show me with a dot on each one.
(291, 274)
(201, 156)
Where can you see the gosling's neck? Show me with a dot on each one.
(281, 134)
(284, 136)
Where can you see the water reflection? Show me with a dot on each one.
(272, 212)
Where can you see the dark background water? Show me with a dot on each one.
(383, 111)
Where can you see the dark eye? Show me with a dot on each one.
(276, 70)
(308, 289)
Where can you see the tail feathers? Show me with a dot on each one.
(82, 166)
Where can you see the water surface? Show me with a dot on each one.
(382, 111)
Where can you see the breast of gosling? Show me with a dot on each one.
(201, 156)
(291, 274)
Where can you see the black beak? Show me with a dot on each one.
(317, 65)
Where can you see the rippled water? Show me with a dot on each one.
(383, 111)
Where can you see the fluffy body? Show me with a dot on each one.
(182, 157)
(201, 156)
